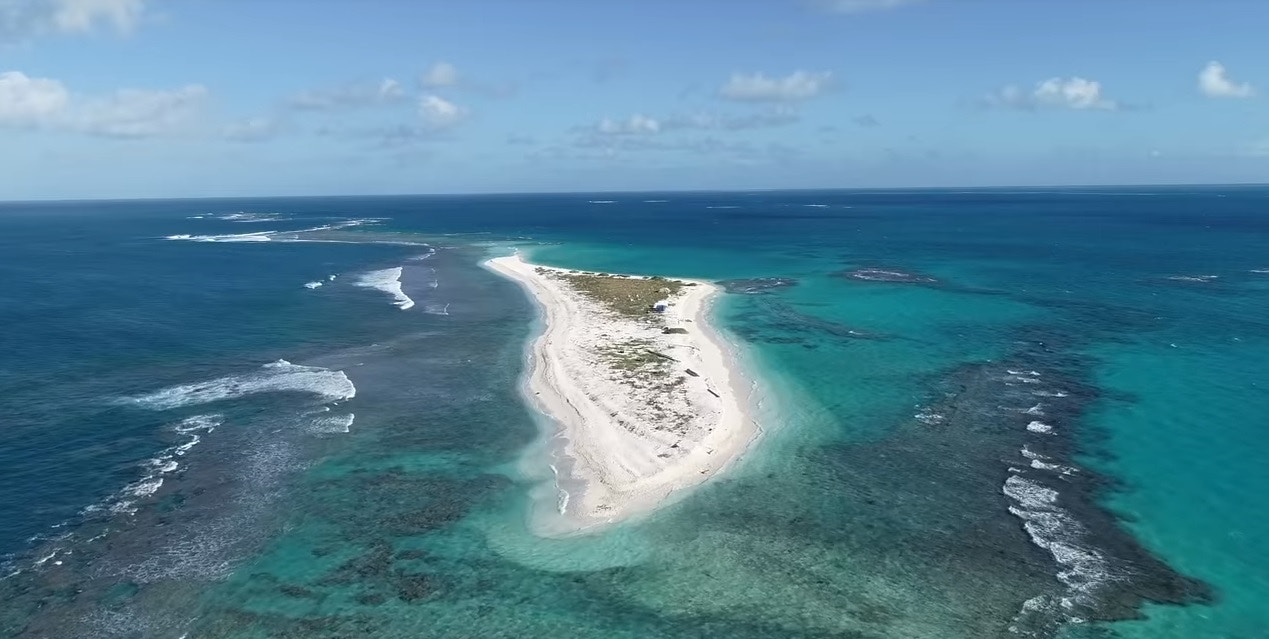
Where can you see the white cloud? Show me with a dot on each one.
(863, 6)
(438, 113)
(139, 113)
(390, 90)
(1214, 82)
(349, 96)
(30, 102)
(24, 19)
(43, 103)
(439, 75)
(639, 124)
(634, 125)
(799, 85)
(1072, 93)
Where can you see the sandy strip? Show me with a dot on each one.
(628, 442)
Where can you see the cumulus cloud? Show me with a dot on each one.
(439, 75)
(1214, 82)
(443, 75)
(863, 6)
(349, 96)
(439, 113)
(44, 103)
(756, 87)
(29, 102)
(24, 19)
(1073, 93)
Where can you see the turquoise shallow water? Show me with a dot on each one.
(1129, 323)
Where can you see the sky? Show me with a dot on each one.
(206, 98)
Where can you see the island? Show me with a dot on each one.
(645, 396)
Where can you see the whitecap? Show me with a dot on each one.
(602, 201)
(387, 280)
(1045, 393)
(1036, 410)
(1039, 464)
(280, 376)
(1039, 427)
(313, 285)
(929, 418)
(199, 422)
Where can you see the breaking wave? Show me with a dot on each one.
(277, 377)
(387, 280)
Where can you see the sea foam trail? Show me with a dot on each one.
(387, 280)
(280, 376)
(269, 236)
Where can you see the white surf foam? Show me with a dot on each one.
(269, 236)
(333, 424)
(602, 201)
(313, 285)
(1083, 570)
(387, 280)
(206, 423)
(280, 376)
(1037, 410)
(1045, 393)
(929, 418)
(242, 216)
(259, 236)
(164, 464)
(1040, 427)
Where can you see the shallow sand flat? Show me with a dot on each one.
(631, 435)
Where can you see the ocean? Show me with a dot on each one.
(985, 413)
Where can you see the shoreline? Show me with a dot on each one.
(626, 442)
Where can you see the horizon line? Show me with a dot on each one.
(1170, 185)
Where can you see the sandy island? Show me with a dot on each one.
(646, 403)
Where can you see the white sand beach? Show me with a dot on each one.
(642, 414)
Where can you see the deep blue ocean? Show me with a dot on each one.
(986, 413)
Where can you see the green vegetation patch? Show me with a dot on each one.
(635, 355)
(625, 295)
